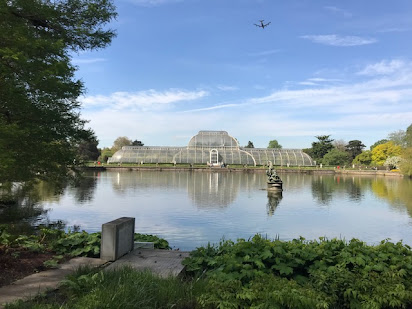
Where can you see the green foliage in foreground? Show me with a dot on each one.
(68, 243)
(123, 288)
(261, 273)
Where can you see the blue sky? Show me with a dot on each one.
(342, 68)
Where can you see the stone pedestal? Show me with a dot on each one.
(275, 186)
(117, 238)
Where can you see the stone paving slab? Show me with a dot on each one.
(40, 282)
(162, 262)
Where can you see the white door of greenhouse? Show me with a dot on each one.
(214, 157)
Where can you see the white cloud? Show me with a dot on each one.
(308, 83)
(88, 60)
(265, 52)
(383, 68)
(227, 88)
(142, 99)
(336, 40)
(366, 109)
(337, 10)
(319, 79)
(375, 94)
(149, 3)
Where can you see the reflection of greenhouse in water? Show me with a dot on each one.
(215, 148)
(205, 189)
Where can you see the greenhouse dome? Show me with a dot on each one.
(213, 148)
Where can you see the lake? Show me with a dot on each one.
(190, 209)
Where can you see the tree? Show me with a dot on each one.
(120, 142)
(249, 145)
(40, 124)
(137, 143)
(380, 142)
(354, 148)
(274, 144)
(393, 162)
(87, 150)
(381, 152)
(336, 157)
(339, 144)
(398, 138)
(406, 164)
(106, 153)
(364, 158)
(322, 147)
(408, 136)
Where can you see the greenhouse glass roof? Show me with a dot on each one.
(214, 148)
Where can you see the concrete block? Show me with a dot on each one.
(144, 245)
(117, 238)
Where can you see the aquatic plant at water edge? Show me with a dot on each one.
(262, 273)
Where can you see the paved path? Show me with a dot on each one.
(40, 282)
(162, 262)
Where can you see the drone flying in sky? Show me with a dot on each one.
(262, 25)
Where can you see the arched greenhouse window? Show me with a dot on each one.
(214, 156)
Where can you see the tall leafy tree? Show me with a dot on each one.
(364, 158)
(87, 150)
(354, 148)
(322, 146)
(336, 157)
(408, 137)
(384, 151)
(120, 142)
(398, 138)
(40, 124)
(274, 144)
(380, 142)
(339, 144)
(137, 143)
(250, 145)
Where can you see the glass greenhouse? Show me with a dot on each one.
(213, 148)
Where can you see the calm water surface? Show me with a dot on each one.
(190, 209)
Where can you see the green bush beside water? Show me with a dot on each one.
(70, 243)
(257, 273)
(261, 273)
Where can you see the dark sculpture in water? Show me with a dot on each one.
(274, 181)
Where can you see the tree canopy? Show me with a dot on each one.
(120, 142)
(408, 136)
(274, 144)
(398, 138)
(384, 151)
(336, 157)
(380, 142)
(354, 148)
(250, 145)
(364, 158)
(137, 143)
(322, 146)
(40, 124)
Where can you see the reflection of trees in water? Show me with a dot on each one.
(23, 209)
(397, 191)
(326, 187)
(274, 199)
(323, 188)
(206, 189)
(83, 188)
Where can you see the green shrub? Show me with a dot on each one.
(295, 274)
